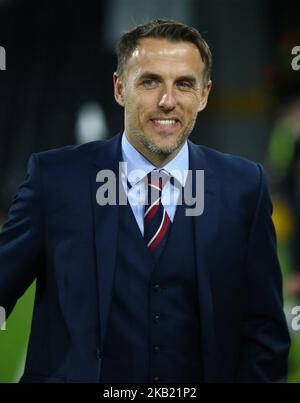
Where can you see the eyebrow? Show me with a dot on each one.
(149, 74)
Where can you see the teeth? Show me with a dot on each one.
(166, 122)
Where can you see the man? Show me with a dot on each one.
(132, 292)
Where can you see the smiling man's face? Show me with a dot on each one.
(162, 92)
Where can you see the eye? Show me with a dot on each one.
(184, 84)
(149, 83)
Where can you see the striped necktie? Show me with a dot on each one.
(156, 220)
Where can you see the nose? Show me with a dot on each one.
(167, 101)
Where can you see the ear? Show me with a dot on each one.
(118, 89)
(204, 96)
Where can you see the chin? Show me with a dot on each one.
(162, 146)
(163, 149)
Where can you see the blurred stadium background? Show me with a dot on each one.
(57, 90)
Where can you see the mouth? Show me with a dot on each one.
(166, 125)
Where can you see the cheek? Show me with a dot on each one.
(195, 105)
(190, 111)
(189, 102)
(144, 107)
(136, 114)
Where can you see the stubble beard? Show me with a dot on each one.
(165, 151)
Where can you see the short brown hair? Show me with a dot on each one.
(165, 29)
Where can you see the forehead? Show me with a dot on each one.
(163, 55)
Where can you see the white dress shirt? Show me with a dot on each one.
(137, 167)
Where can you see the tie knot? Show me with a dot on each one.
(158, 178)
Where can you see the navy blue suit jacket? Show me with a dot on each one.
(56, 233)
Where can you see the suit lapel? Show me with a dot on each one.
(205, 230)
(106, 217)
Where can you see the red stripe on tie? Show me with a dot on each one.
(151, 213)
(161, 233)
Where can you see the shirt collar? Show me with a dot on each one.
(177, 167)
